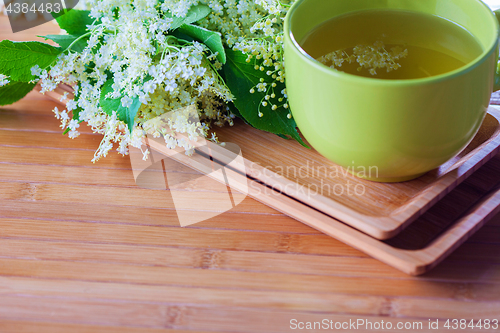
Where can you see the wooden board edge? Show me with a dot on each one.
(399, 259)
(484, 152)
(345, 215)
(459, 232)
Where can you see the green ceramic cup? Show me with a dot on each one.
(389, 130)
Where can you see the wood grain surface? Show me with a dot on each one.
(430, 239)
(381, 210)
(82, 249)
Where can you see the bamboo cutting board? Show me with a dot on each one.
(381, 210)
(427, 241)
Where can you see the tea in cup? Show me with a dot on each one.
(398, 86)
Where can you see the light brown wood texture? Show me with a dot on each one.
(80, 251)
(415, 252)
(381, 210)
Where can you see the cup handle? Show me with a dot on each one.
(496, 85)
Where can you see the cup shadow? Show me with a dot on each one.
(448, 210)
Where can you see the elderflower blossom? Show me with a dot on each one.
(184, 120)
(132, 54)
(254, 27)
(4, 80)
(368, 57)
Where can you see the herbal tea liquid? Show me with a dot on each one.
(428, 45)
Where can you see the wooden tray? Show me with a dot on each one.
(428, 240)
(381, 210)
(425, 243)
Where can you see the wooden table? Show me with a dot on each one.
(82, 249)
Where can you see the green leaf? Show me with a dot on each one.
(197, 13)
(210, 38)
(180, 37)
(17, 58)
(75, 21)
(125, 114)
(65, 41)
(14, 91)
(240, 78)
(234, 110)
(176, 21)
(194, 14)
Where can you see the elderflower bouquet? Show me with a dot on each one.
(131, 61)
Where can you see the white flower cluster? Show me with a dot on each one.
(4, 80)
(182, 120)
(128, 42)
(255, 27)
(367, 56)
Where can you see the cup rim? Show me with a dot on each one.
(436, 78)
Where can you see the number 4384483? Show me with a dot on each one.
(25, 8)
(461, 324)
